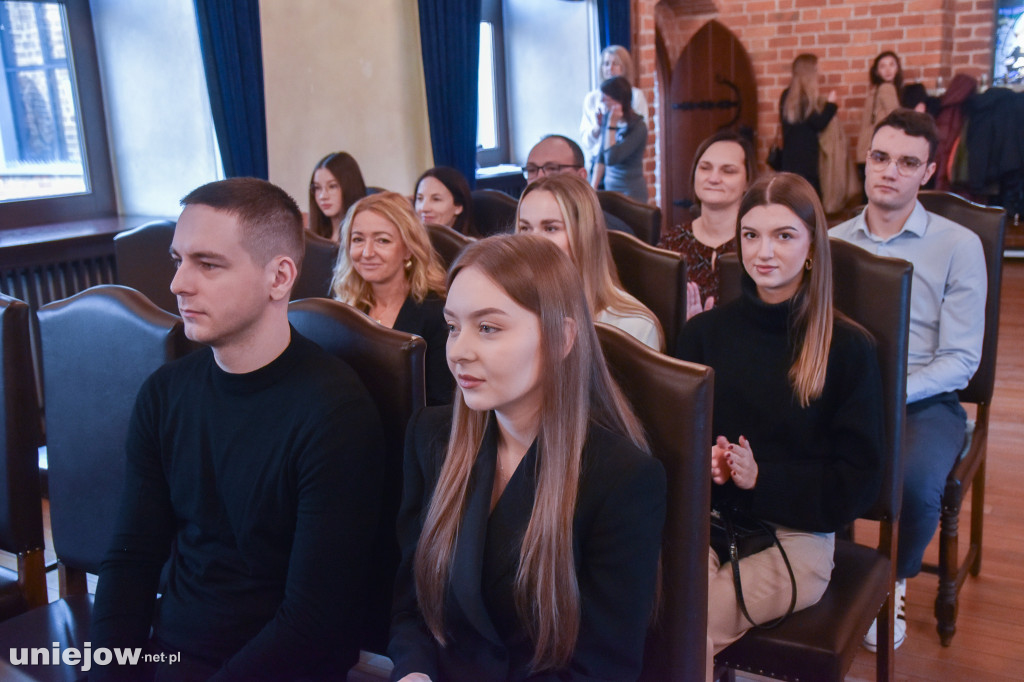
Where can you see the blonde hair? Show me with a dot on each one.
(424, 271)
(576, 389)
(588, 244)
(813, 313)
(802, 100)
(622, 54)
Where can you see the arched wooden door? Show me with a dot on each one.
(712, 87)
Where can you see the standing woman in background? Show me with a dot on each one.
(531, 514)
(387, 269)
(615, 61)
(804, 115)
(620, 161)
(883, 98)
(337, 183)
(443, 197)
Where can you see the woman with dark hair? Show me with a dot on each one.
(531, 515)
(883, 98)
(620, 160)
(442, 197)
(615, 61)
(388, 269)
(804, 115)
(797, 408)
(723, 167)
(336, 184)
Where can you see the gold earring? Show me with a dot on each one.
(408, 264)
(808, 263)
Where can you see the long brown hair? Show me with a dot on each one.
(813, 314)
(802, 98)
(423, 272)
(346, 171)
(588, 243)
(576, 389)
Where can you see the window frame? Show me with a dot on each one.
(491, 12)
(100, 199)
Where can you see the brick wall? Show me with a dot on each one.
(934, 38)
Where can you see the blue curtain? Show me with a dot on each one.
(613, 22)
(229, 35)
(450, 39)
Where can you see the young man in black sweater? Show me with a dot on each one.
(254, 466)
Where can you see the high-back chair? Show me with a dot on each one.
(144, 261)
(968, 472)
(657, 277)
(317, 268)
(391, 365)
(820, 642)
(643, 219)
(21, 504)
(494, 212)
(447, 243)
(98, 347)
(673, 400)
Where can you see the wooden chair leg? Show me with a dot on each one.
(32, 577)
(946, 599)
(71, 581)
(977, 515)
(885, 660)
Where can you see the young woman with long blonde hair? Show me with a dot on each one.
(804, 114)
(797, 407)
(564, 209)
(531, 517)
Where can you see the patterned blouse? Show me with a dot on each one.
(701, 260)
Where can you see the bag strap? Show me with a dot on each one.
(735, 561)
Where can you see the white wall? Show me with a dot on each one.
(159, 123)
(344, 75)
(549, 48)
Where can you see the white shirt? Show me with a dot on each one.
(947, 297)
(592, 145)
(639, 327)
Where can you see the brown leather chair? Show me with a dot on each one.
(98, 347)
(820, 642)
(643, 219)
(144, 261)
(657, 277)
(317, 268)
(989, 224)
(21, 504)
(673, 400)
(494, 212)
(391, 365)
(447, 243)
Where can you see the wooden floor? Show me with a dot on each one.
(989, 643)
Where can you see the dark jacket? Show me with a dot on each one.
(427, 320)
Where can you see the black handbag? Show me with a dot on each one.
(736, 534)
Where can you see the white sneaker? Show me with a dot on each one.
(900, 626)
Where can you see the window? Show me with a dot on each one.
(54, 161)
(492, 117)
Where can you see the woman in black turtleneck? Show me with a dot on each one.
(798, 406)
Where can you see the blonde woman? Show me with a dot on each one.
(387, 268)
(797, 407)
(564, 209)
(804, 115)
(531, 514)
(615, 61)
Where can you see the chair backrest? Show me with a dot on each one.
(874, 291)
(391, 365)
(494, 212)
(657, 277)
(447, 243)
(98, 347)
(643, 219)
(21, 511)
(317, 268)
(673, 400)
(989, 223)
(144, 263)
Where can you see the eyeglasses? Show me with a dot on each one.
(905, 165)
(531, 171)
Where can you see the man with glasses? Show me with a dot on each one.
(947, 320)
(556, 154)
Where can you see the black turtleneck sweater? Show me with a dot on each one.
(268, 483)
(819, 467)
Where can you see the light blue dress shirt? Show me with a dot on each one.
(947, 296)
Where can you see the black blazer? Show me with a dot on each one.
(617, 528)
(427, 320)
